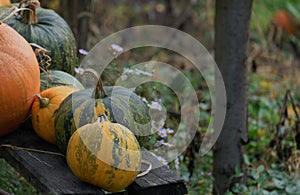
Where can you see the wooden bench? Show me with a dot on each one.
(49, 173)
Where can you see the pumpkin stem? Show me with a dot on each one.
(14, 11)
(102, 118)
(99, 91)
(30, 17)
(44, 102)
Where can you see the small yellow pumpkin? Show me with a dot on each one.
(43, 109)
(104, 154)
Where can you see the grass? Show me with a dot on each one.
(12, 182)
(263, 11)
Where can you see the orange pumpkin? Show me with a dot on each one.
(4, 3)
(43, 109)
(287, 22)
(19, 76)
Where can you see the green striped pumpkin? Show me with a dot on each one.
(55, 78)
(50, 31)
(81, 108)
(104, 154)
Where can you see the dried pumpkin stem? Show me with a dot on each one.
(45, 60)
(31, 149)
(44, 102)
(38, 46)
(99, 91)
(14, 11)
(30, 17)
(102, 118)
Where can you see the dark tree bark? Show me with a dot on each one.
(231, 37)
(77, 13)
(68, 11)
(84, 15)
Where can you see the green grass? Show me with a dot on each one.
(263, 11)
(12, 182)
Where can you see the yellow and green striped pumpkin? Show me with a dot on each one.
(55, 78)
(81, 108)
(104, 154)
(47, 29)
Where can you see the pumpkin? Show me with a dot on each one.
(58, 78)
(43, 109)
(83, 107)
(20, 79)
(104, 154)
(4, 3)
(50, 31)
(287, 22)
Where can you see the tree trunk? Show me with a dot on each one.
(84, 16)
(231, 36)
(77, 13)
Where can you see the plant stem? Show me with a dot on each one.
(99, 91)
(30, 17)
(44, 102)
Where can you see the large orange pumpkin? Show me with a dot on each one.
(19, 77)
(4, 3)
(43, 109)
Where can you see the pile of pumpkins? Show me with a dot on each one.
(88, 125)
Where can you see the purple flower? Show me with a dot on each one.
(162, 142)
(79, 70)
(140, 72)
(177, 163)
(83, 52)
(144, 100)
(137, 72)
(162, 133)
(124, 77)
(162, 160)
(169, 131)
(155, 105)
(159, 143)
(127, 71)
(117, 49)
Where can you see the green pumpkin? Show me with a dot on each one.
(84, 107)
(47, 29)
(55, 78)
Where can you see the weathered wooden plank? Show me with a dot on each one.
(162, 178)
(50, 174)
(2, 192)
